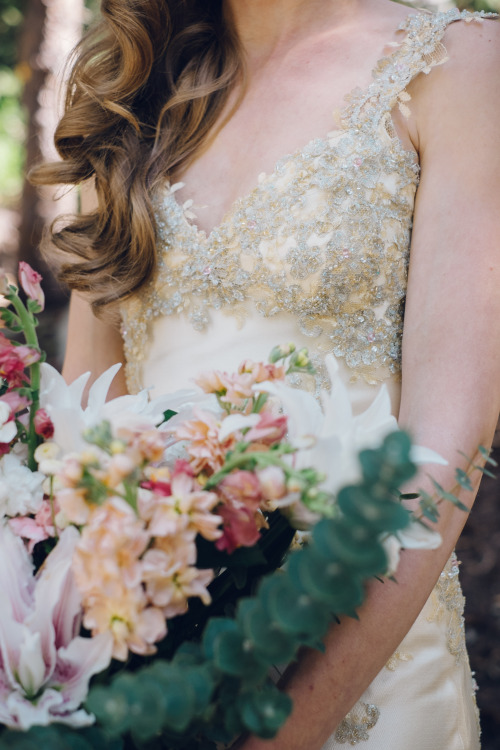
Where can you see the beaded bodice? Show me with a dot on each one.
(324, 237)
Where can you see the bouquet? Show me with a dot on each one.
(151, 564)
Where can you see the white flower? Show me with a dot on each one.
(330, 439)
(20, 489)
(41, 653)
(8, 429)
(63, 403)
(414, 536)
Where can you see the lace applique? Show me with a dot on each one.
(324, 237)
(448, 603)
(356, 725)
(396, 659)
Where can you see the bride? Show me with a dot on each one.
(242, 200)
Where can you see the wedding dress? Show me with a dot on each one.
(317, 254)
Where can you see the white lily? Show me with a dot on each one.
(45, 667)
(63, 403)
(330, 439)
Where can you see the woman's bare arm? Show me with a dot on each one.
(92, 345)
(451, 363)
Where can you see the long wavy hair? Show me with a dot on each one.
(148, 84)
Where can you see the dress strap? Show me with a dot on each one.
(420, 50)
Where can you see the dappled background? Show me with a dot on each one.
(36, 37)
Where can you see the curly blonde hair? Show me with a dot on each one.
(147, 86)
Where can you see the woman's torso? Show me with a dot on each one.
(317, 253)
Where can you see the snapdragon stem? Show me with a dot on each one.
(52, 509)
(31, 338)
(267, 458)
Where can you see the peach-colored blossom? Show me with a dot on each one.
(118, 468)
(206, 452)
(261, 372)
(170, 582)
(150, 444)
(73, 504)
(125, 613)
(188, 508)
(211, 382)
(110, 547)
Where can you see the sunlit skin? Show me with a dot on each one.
(302, 57)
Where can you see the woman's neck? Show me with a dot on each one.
(269, 27)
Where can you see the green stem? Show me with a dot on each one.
(52, 509)
(268, 458)
(31, 338)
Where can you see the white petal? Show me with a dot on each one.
(304, 412)
(421, 455)
(418, 536)
(8, 432)
(98, 393)
(336, 404)
(31, 668)
(83, 658)
(235, 422)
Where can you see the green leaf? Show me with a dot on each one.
(449, 496)
(486, 455)
(269, 639)
(236, 655)
(264, 711)
(167, 415)
(428, 506)
(463, 479)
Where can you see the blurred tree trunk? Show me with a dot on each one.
(51, 28)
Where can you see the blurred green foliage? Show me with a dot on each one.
(12, 130)
(12, 127)
(11, 16)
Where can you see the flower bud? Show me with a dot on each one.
(30, 282)
(43, 424)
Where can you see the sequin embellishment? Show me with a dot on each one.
(356, 725)
(448, 604)
(324, 237)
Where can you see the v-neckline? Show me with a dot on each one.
(340, 114)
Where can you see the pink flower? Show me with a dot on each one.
(16, 402)
(45, 666)
(268, 430)
(240, 527)
(241, 487)
(272, 482)
(30, 282)
(35, 529)
(43, 424)
(14, 360)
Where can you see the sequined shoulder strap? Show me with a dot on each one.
(420, 50)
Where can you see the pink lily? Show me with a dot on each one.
(45, 666)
